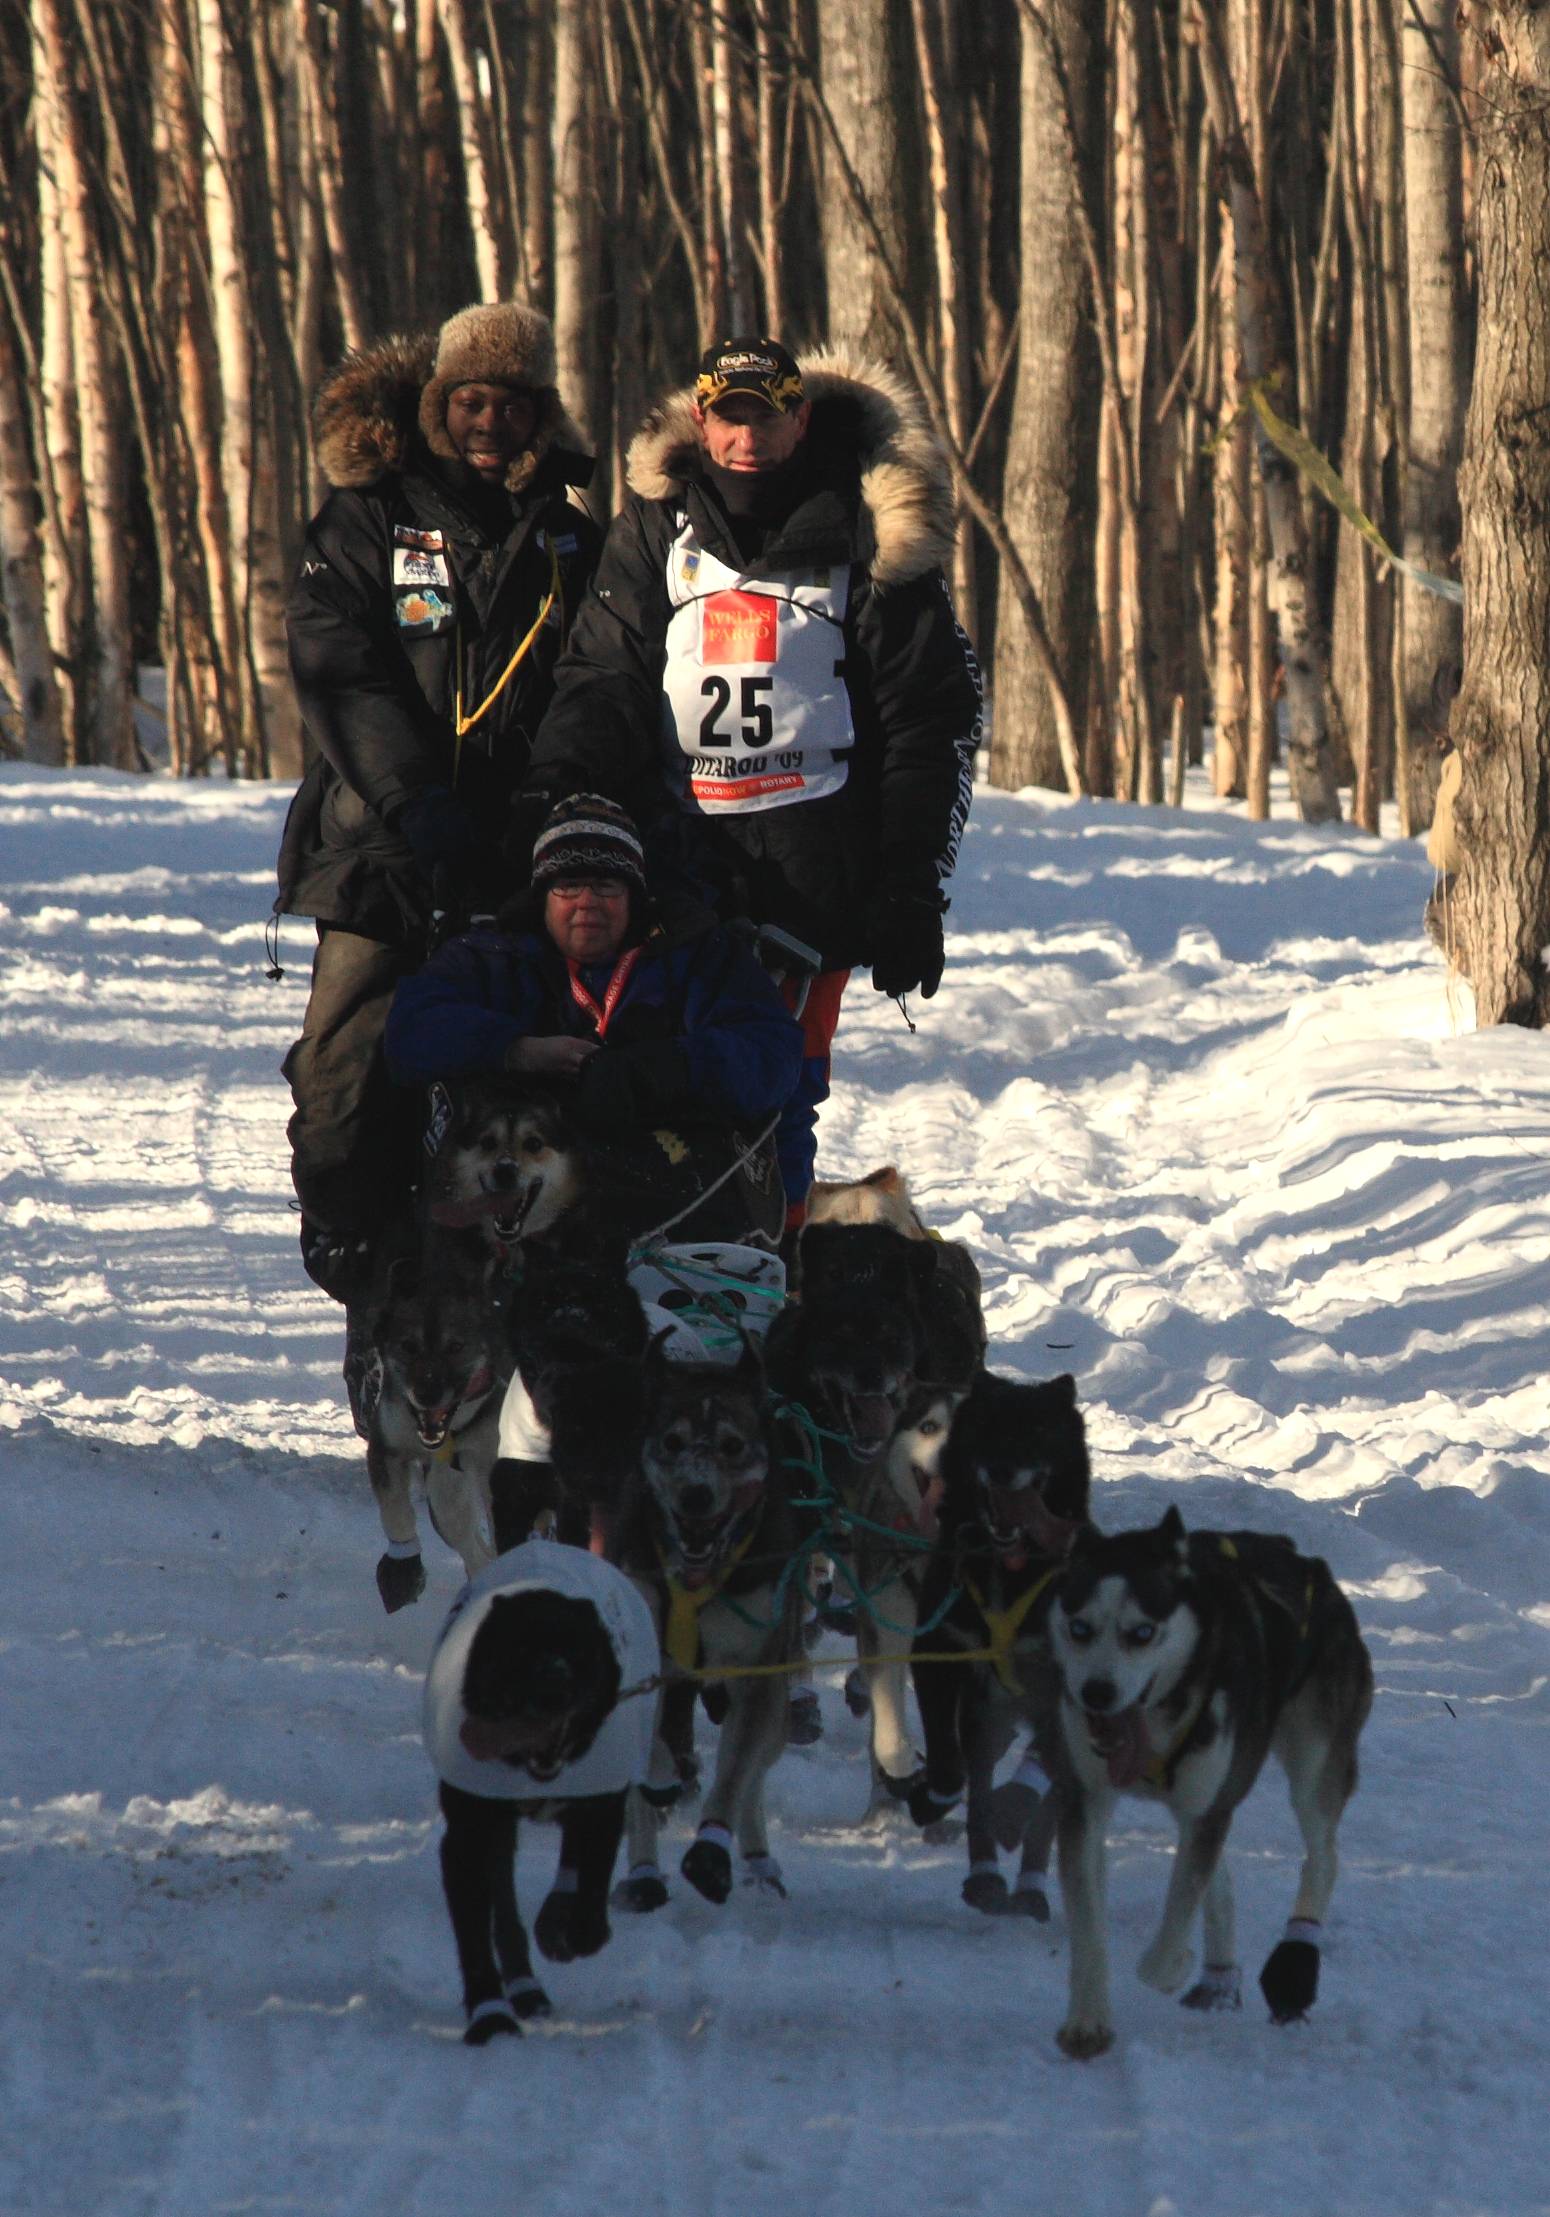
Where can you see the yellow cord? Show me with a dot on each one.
(462, 723)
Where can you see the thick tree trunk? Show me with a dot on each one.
(1438, 296)
(858, 59)
(1049, 487)
(1502, 719)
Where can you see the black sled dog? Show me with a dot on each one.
(1183, 1660)
(1014, 1481)
(884, 1314)
(530, 1714)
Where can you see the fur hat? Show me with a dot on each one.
(505, 344)
(587, 836)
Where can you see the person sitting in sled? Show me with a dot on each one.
(671, 1040)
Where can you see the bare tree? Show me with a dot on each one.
(1502, 717)
(1437, 293)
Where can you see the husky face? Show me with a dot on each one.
(706, 1457)
(1124, 1630)
(863, 1328)
(1122, 1644)
(438, 1343)
(915, 1457)
(1017, 1466)
(507, 1163)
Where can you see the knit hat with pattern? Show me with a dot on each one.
(587, 836)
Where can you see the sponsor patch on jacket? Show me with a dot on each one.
(414, 610)
(739, 627)
(422, 567)
(428, 542)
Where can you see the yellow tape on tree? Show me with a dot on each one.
(1305, 456)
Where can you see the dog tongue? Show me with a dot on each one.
(459, 1215)
(1122, 1742)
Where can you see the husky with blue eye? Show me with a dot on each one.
(1183, 1659)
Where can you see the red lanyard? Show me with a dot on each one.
(601, 1015)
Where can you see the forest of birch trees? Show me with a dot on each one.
(1090, 232)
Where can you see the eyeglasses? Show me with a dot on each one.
(606, 889)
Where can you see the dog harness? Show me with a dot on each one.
(1003, 1625)
(681, 1642)
(620, 1755)
(1161, 1770)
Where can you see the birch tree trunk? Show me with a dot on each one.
(1049, 488)
(575, 224)
(1304, 648)
(317, 67)
(108, 735)
(483, 215)
(36, 696)
(856, 40)
(1438, 296)
(66, 553)
(935, 53)
(1502, 717)
(234, 352)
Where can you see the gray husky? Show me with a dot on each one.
(442, 1338)
(1183, 1659)
(706, 1537)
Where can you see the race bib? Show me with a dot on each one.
(755, 712)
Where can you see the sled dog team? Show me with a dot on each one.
(663, 1476)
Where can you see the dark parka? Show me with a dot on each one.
(376, 658)
(872, 489)
(722, 1050)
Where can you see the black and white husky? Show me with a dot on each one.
(1182, 1660)
(535, 1711)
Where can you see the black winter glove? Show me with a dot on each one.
(439, 829)
(906, 934)
(632, 1088)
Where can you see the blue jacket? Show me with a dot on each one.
(699, 1024)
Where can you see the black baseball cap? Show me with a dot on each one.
(760, 366)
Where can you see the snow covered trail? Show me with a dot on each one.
(1195, 1092)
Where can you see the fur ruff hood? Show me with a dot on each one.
(367, 416)
(906, 484)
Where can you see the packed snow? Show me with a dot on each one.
(1212, 1116)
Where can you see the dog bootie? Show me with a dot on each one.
(804, 1719)
(490, 2020)
(707, 1863)
(1290, 1978)
(400, 1579)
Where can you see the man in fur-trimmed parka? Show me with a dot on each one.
(769, 675)
(434, 594)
